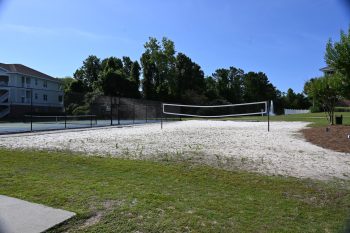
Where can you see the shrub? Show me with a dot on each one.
(315, 108)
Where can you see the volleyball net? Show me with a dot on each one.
(217, 111)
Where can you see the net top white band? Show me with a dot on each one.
(214, 106)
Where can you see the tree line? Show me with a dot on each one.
(170, 76)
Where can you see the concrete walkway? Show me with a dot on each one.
(18, 216)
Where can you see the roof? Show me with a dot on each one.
(21, 69)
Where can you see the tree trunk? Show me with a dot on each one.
(332, 113)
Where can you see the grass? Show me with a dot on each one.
(316, 119)
(113, 195)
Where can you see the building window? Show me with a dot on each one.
(45, 83)
(60, 98)
(36, 96)
(28, 95)
(45, 97)
(36, 82)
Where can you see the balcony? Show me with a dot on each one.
(4, 112)
(4, 98)
(4, 80)
(4, 83)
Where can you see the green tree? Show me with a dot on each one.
(188, 77)
(127, 63)
(257, 87)
(115, 80)
(326, 91)
(291, 99)
(113, 83)
(221, 78)
(198, 78)
(295, 100)
(229, 84)
(235, 77)
(149, 72)
(337, 56)
(112, 63)
(135, 73)
(211, 90)
(66, 82)
(89, 72)
(315, 107)
(158, 64)
(302, 101)
(78, 86)
(74, 95)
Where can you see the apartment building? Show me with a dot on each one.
(24, 90)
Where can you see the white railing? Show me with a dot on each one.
(35, 104)
(4, 97)
(4, 112)
(295, 111)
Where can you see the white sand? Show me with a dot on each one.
(245, 145)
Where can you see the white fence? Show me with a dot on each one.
(295, 111)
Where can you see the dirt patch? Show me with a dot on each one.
(331, 137)
(108, 205)
(92, 220)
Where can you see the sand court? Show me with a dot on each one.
(247, 145)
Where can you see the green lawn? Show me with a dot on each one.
(113, 195)
(316, 119)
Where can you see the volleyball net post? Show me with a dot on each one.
(268, 115)
(161, 116)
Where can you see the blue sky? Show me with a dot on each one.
(286, 39)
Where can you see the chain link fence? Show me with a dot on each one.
(121, 111)
(27, 109)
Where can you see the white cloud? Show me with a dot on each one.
(60, 32)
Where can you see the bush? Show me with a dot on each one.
(342, 109)
(315, 108)
(81, 110)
